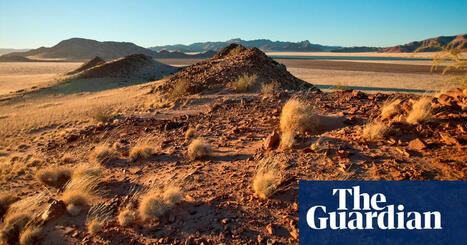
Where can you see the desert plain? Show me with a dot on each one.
(216, 148)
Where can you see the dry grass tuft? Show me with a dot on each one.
(374, 131)
(87, 171)
(421, 111)
(67, 158)
(296, 116)
(76, 201)
(6, 199)
(391, 109)
(94, 226)
(13, 225)
(180, 89)
(55, 176)
(126, 217)
(288, 139)
(141, 151)
(103, 154)
(268, 177)
(199, 149)
(245, 82)
(190, 133)
(156, 202)
(30, 236)
(270, 88)
(101, 113)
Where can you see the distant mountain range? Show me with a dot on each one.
(455, 41)
(11, 50)
(306, 46)
(80, 48)
(263, 44)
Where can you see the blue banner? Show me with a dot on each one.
(383, 212)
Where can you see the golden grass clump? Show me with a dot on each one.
(374, 131)
(391, 109)
(13, 225)
(296, 116)
(87, 170)
(55, 176)
(267, 179)
(94, 226)
(156, 202)
(141, 152)
(30, 236)
(82, 189)
(270, 88)
(126, 217)
(6, 199)
(190, 133)
(199, 149)
(421, 111)
(76, 201)
(245, 82)
(103, 154)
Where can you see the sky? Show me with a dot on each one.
(35, 23)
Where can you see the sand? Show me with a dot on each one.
(21, 75)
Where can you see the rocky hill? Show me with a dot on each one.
(454, 41)
(228, 65)
(80, 48)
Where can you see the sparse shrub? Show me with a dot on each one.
(179, 90)
(55, 176)
(374, 131)
(103, 154)
(268, 177)
(296, 116)
(101, 113)
(30, 236)
(190, 133)
(141, 151)
(421, 111)
(156, 202)
(94, 226)
(126, 217)
(76, 201)
(199, 149)
(391, 109)
(6, 199)
(270, 88)
(245, 82)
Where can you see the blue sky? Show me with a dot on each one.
(35, 23)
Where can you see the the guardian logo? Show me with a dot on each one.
(367, 212)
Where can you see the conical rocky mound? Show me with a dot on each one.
(94, 62)
(230, 63)
(136, 66)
